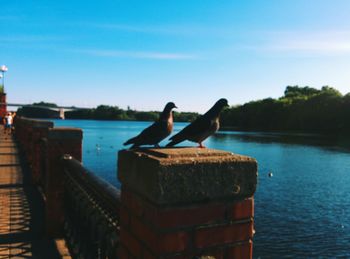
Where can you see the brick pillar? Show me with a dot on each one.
(23, 128)
(60, 141)
(28, 140)
(40, 131)
(3, 107)
(186, 202)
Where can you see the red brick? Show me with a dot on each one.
(217, 254)
(243, 209)
(3, 107)
(210, 236)
(173, 242)
(131, 243)
(54, 185)
(241, 251)
(189, 216)
(159, 243)
(135, 204)
(181, 256)
(123, 252)
(124, 216)
(37, 153)
(174, 217)
(147, 254)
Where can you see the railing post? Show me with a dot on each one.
(186, 202)
(60, 141)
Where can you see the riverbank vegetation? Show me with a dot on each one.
(105, 112)
(301, 109)
(102, 112)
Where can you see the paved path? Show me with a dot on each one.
(21, 209)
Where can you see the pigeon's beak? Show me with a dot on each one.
(175, 107)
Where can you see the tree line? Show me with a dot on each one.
(105, 112)
(303, 109)
(101, 112)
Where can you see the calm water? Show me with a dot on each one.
(303, 211)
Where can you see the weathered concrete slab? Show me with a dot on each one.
(184, 175)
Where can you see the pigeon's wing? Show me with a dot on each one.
(197, 127)
(144, 137)
(153, 134)
(149, 136)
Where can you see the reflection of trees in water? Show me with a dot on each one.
(288, 138)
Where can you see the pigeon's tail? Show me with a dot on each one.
(130, 141)
(134, 146)
(171, 144)
(174, 142)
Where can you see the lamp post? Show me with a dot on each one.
(3, 69)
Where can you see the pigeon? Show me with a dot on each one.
(158, 131)
(202, 127)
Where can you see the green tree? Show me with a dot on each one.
(300, 109)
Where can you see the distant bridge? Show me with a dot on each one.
(60, 109)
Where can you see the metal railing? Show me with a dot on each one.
(91, 212)
(87, 206)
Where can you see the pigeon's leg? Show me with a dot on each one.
(201, 145)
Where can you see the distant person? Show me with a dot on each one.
(13, 129)
(8, 120)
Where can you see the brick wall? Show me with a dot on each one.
(210, 222)
(40, 132)
(3, 107)
(60, 141)
(44, 147)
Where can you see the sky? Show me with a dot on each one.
(142, 54)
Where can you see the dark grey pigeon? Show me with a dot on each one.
(158, 131)
(201, 128)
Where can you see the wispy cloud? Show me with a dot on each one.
(192, 30)
(129, 28)
(306, 42)
(325, 47)
(135, 54)
(50, 43)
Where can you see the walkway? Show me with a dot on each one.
(21, 209)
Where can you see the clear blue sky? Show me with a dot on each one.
(192, 52)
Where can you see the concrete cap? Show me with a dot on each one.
(182, 152)
(167, 176)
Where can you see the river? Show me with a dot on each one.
(303, 211)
